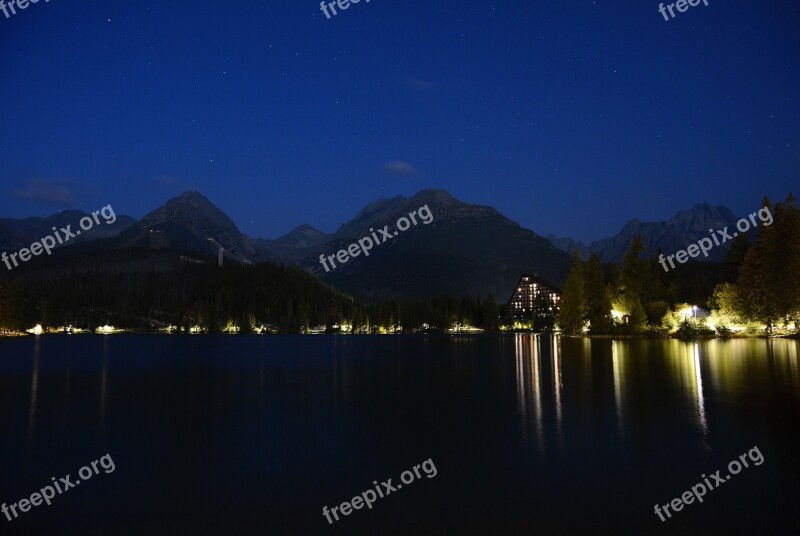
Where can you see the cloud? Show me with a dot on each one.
(398, 167)
(416, 83)
(166, 180)
(47, 192)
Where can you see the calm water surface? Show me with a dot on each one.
(254, 435)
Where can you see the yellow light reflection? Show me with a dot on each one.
(687, 365)
(701, 404)
(616, 364)
(34, 392)
(555, 353)
(529, 386)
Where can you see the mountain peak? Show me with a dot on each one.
(306, 228)
(301, 237)
(440, 197)
(188, 223)
(192, 198)
(189, 194)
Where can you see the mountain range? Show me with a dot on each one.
(686, 227)
(466, 249)
(19, 233)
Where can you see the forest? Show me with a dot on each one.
(145, 290)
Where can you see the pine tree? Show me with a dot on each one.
(758, 286)
(573, 302)
(636, 274)
(788, 231)
(598, 300)
(734, 258)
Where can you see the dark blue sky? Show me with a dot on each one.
(569, 117)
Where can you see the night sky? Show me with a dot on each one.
(569, 117)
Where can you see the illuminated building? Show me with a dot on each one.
(530, 287)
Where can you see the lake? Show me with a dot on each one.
(256, 434)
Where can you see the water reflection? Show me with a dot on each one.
(698, 383)
(783, 356)
(541, 377)
(104, 383)
(342, 373)
(686, 360)
(529, 386)
(735, 366)
(67, 382)
(555, 352)
(535, 353)
(791, 358)
(261, 374)
(34, 391)
(616, 364)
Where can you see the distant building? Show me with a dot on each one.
(529, 287)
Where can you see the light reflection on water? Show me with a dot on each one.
(547, 379)
(564, 421)
(539, 375)
(725, 368)
(37, 348)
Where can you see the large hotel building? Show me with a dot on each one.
(528, 288)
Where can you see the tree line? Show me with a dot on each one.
(758, 283)
(144, 290)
